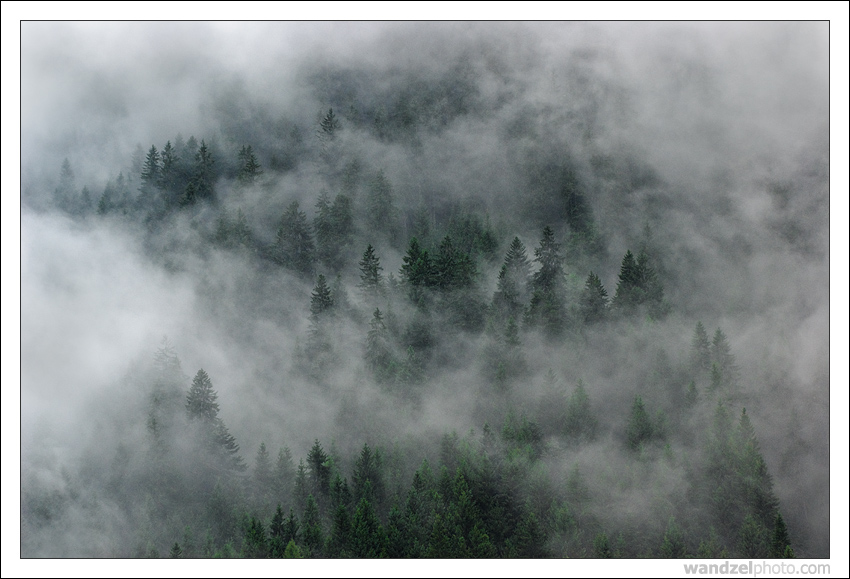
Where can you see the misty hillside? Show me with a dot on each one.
(425, 290)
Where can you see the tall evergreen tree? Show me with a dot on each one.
(780, 545)
(321, 300)
(249, 167)
(330, 125)
(700, 349)
(318, 463)
(294, 246)
(382, 215)
(547, 308)
(721, 355)
(201, 402)
(371, 280)
(593, 302)
(453, 269)
(151, 170)
(640, 428)
(511, 294)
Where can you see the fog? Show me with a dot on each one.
(706, 143)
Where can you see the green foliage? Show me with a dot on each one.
(637, 286)
(700, 349)
(371, 280)
(547, 308)
(368, 538)
(601, 548)
(640, 429)
(311, 529)
(294, 248)
(579, 422)
(176, 552)
(780, 545)
(318, 463)
(512, 291)
(593, 302)
(249, 168)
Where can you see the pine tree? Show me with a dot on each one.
(319, 470)
(249, 167)
(378, 354)
(294, 247)
(452, 269)
(284, 475)
(371, 280)
(593, 302)
(511, 294)
(781, 542)
(640, 428)
(700, 349)
(368, 538)
(321, 300)
(263, 479)
(176, 552)
(547, 307)
(382, 214)
(367, 479)
(201, 185)
(601, 548)
(330, 125)
(151, 170)
(722, 356)
(168, 171)
(339, 541)
(579, 422)
(312, 532)
(201, 401)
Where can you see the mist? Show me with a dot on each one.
(706, 145)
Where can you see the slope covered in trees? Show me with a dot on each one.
(442, 311)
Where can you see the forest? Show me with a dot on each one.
(435, 290)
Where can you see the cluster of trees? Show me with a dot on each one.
(497, 494)
(487, 495)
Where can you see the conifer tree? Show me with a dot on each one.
(511, 294)
(722, 356)
(294, 247)
(371, 280)
(547, 307)
(151, 170)
(319, 470)
(593, 302)
(311, 528)
(249, 167)
(321, 300)
(640, 428)
(378, 354)
(330, 125)
(263, 479)
(780, 545)
(382, 214)
(579, 422)
(700, 349)
(368, 538)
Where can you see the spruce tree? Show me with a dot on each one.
(547, 308)
(249, 167)
(511, 294)
(640, 428)
(593, 302)
(700, 349)
(781, 542)
(371, 280)
(151, 170)
(294, 246)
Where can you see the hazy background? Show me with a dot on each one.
(731, 120)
